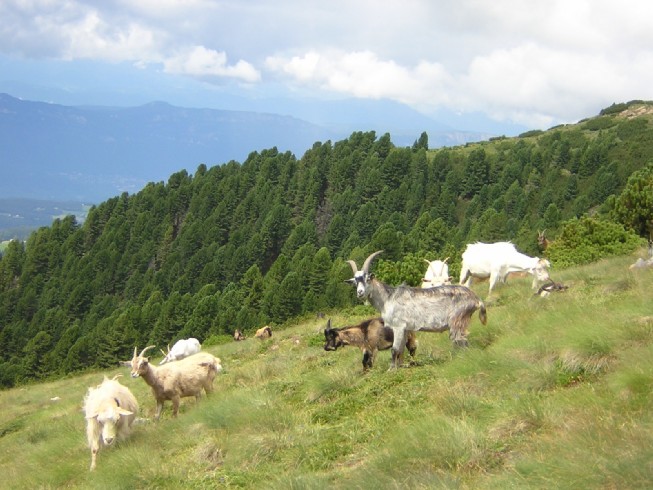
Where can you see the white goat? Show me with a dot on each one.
(176, 380)
(110, 409)
(414, 309)
(182, 348)
(497, 260)
(437, 273)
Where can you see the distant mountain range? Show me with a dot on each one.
(19, 217)
(88, 154)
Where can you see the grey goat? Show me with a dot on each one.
(406, 308)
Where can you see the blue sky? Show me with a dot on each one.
(533, 63)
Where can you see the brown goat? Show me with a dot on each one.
(173, 381)
(370, 336)
(542, 241)
(263, 333)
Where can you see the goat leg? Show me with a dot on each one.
(398, 345)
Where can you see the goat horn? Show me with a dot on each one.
(353, 265)
(368, 261)
(135, 352)
(164, 354)
(445, 260)
(146, 349)
(427, 261)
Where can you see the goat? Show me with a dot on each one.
(551, 287)
(176, 380)
(497, 260)
(182, 348)
(238, 335)
(370, 335)
(405, 308)
(110, 409)
(263, 333)
(642, 264)
(648, 262)
(437, 273)
(542, 241)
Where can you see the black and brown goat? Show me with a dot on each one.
(370, 336)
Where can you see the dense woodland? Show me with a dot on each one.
(265, 241)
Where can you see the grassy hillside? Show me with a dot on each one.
(552, 393)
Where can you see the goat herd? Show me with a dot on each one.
(438, 306)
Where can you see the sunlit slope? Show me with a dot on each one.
(552, 393)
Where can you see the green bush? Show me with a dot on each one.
(614, 109)
(586, 240)
(603, 122)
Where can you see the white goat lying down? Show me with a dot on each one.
(176, 380)
(110, 409)
(182, 348)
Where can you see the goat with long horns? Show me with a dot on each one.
(404, 308)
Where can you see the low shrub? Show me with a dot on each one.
(586, 240)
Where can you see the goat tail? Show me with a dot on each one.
(482, 313)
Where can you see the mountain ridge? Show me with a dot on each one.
(90, 153)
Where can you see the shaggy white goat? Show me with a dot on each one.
(176, 380)
(182, 348)
(110, 409)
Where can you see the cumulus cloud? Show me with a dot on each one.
(201, 62)
(70, 30)
(363, 74)
(537, 63)
(91, 37)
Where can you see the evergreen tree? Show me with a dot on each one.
(634, 206)
(476, 173)
(288, 302)
(422, 143)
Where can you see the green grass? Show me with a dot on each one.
(552, 393)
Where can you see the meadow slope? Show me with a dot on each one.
(552, 393)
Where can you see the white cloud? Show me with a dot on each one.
(92, 37)
(551, 85)
(363, 74)
(538, 62)
(201, 62)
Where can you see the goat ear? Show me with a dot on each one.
(92, 416)
(122, 411)
(350, 281)
(125, 363)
